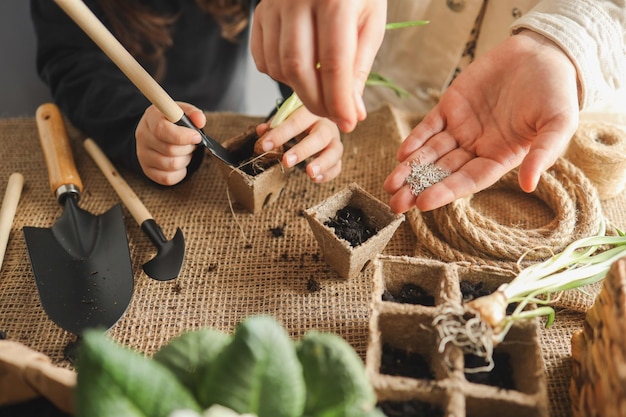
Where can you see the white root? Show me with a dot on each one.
(491, 308)
(473, 327)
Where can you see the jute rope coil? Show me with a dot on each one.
(599, 150)
(458, 232)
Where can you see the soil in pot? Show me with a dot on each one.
(249, 162)
(351, 224)
(410, 294)
(399, 362)
(412, 408)
(472, 290)
(500, 376)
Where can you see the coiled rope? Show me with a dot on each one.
(458, 232)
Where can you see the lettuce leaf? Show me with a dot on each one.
(257, 373)
(191, 355)
(337, 385)
(116, 381)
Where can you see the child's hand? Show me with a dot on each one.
(321, 140)
(163, 148)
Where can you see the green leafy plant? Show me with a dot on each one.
(258, 370)
(483, 323)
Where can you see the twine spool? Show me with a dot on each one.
(599, 150)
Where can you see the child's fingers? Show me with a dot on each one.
(327, 174)
(298, 122)
(322, 141)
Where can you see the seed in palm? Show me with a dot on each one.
(423, 176)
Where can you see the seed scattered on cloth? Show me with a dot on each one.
(423, 176)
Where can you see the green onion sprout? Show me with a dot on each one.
(481, 324)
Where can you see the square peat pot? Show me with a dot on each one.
(351, 213)
(251, 184)
(410, 370)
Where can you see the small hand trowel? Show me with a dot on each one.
(82, 263)
(167, 263)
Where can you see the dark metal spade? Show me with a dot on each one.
(167, 263)
(80, 13)
(82, 263)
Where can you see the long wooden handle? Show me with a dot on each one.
(93, 27)
(9, 207)
(57, 151)
(139, 212)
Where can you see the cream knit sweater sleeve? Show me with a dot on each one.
(593, 34)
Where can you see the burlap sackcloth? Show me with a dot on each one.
(236, 265)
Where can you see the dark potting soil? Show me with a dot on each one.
(248, 162)
(412, 408)
(410, 294)
(351, 224)
(399, 362)
(500, 376)
(472, 290)
(312, 285)
(278, 231)
(70, 351)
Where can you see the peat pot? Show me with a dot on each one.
(346, 257)
(252, 184)
(407, 366)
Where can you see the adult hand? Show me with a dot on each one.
(163, 148)
(517, 104)
(318, 138)
(289, 39)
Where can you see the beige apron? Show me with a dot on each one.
(423, 60)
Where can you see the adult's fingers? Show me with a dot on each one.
(338, 38)
(543, 153)
(474, 176)
(432, 124)
(370, 38)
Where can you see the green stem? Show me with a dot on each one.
(286, 109)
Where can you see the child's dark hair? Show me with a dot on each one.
(147, 35)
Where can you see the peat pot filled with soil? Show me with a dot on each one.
(411, 367)
(351, 228)
(259, 179)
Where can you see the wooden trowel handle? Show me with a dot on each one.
(139, 212)
(57, 151)
(93, 27)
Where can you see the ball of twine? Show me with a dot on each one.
(599, 150)
(458, 232)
